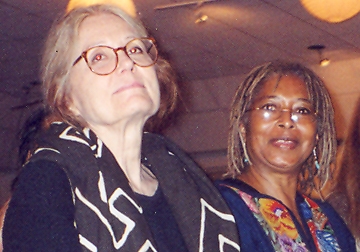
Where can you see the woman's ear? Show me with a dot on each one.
(72, 108)
(74, 111)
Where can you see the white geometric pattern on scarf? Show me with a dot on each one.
(222, 239)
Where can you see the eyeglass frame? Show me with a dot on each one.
(313, 114)
(83, 55)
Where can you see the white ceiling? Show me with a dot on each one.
(210, 58)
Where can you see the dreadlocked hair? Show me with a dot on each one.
(238, 160)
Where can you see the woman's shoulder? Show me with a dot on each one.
(339, 202)
(344, 237)
(158, 146)
(39, 187)
(41, 210)
(153, 139)
(322, 204)
(239, 196)
(237, 186)
(42, 174)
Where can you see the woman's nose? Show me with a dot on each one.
(124, 61)
(286, 119)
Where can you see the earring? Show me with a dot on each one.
(246, 159)
(317, 165)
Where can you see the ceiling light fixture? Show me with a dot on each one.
(332, 11)
(201, 18)
(127, 5)
(319, 48)
(324, 62)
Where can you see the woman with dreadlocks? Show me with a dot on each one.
(281, 144)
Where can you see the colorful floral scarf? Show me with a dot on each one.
(278, 224)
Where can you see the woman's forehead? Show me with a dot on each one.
(288, 86)
(104, 27)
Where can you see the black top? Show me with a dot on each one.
(33, 212)
(162, 222)
(37, 193)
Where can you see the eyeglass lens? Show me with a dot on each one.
(298, 116)
(103, 60)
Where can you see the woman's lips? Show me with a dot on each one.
(284, 143)
(126, 87)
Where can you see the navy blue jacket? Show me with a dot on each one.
(252, 235)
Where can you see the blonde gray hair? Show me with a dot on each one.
(58, 59)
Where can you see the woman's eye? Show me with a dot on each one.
(97, 58)
(135, 50)
(269, 106)
(303, 111)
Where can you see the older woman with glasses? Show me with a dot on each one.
(281, 145)
(95, 181)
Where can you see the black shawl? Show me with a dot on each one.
(107, 214)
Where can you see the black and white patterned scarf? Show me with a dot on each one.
(107, 214)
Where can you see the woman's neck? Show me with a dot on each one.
(125, 144)
(282, 187)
